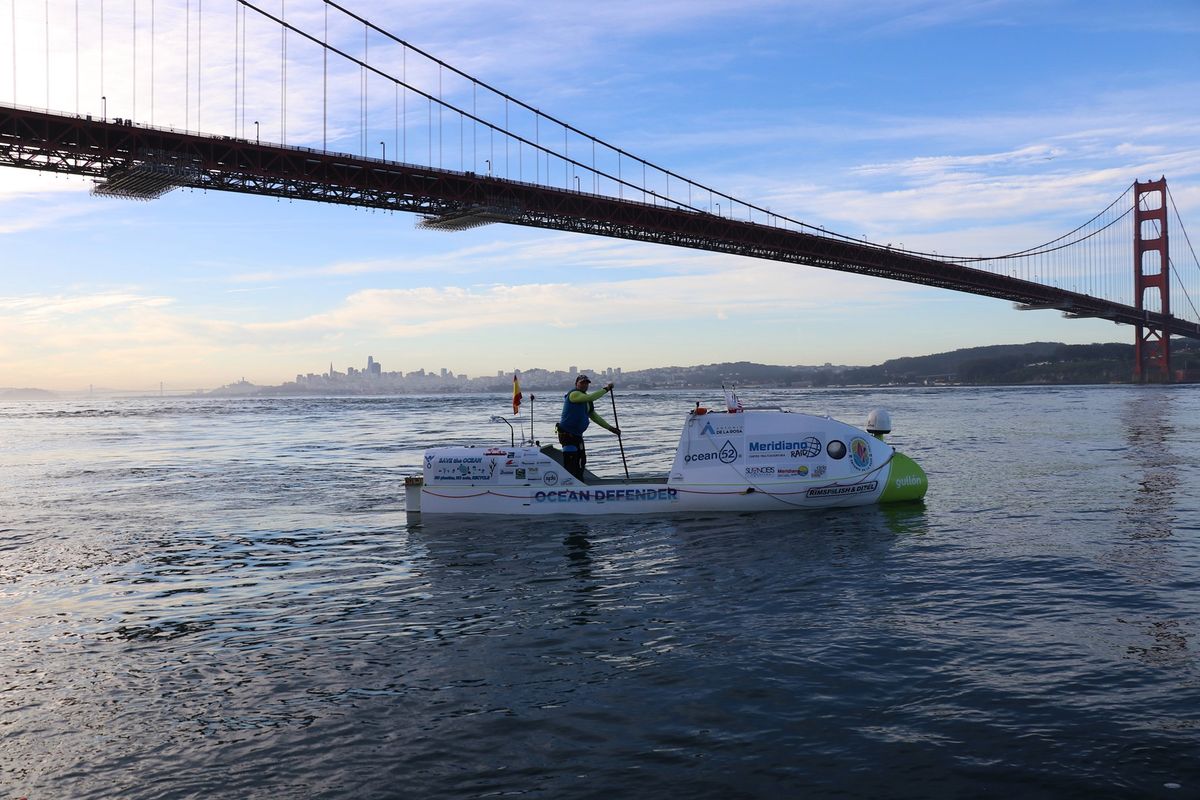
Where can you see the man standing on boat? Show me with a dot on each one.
(578, 410)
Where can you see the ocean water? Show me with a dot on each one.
(225, 598)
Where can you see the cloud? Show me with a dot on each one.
(743, 287)
(74, 331)
(32, 200)
(55, 307)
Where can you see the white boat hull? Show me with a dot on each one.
(748, 461)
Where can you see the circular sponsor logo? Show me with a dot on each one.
(809, 448)
(860, 453)
(728, 453)
(550, 478)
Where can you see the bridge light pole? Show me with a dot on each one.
(384, 146)
(488, 161)
(104, 108)
(256, 139)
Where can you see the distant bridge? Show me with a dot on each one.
(466, 154)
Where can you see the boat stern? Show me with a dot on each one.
(906, 480)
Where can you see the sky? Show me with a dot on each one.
(972, 126)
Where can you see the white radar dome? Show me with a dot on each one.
(879, 421)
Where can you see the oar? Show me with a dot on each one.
(617, 423)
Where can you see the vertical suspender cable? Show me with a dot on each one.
(151, 62)
(440, 106)
(362, 95)
(325, 85)
(134, 107)
(187, 66)
(199, 58)
(362, 70)
(77, 57)
(404, 101)
(237, 66)
(283, 73)
(102, 92)
(245, 74)
(47, 15)
(13, 9)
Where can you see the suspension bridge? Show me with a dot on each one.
(101, 91)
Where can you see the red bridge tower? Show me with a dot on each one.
(1152, 348)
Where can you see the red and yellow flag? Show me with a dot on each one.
(516, 395)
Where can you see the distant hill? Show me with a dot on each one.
(995, 365)
(1033, 363)
(26, 394)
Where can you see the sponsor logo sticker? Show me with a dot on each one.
(860, 453)
(722, 429)
(838, 491)
(783, 447)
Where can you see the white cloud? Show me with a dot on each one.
(743, 287)
(47, 308)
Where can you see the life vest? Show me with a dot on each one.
(575, 416)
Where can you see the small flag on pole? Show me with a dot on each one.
(732, 401)
(516, 395)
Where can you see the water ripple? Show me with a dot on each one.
(225, 598)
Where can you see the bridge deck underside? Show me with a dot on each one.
(109, 150)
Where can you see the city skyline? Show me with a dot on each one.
(843, 115)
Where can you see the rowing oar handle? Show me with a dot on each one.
(617, 423)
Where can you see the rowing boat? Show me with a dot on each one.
(737, 460)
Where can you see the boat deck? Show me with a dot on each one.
(592, 479)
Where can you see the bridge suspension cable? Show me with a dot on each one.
(1177, 223)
